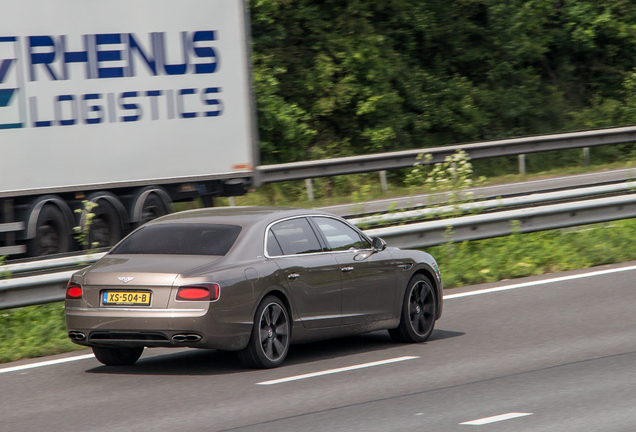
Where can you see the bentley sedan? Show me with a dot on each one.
(249, 279)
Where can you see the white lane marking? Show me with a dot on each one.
(333, 371)
(46, 363)
(539, 282)
(494, 419)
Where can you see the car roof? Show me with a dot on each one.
(242, 216)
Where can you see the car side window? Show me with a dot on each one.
(295, 236)
(339, 235)
(273, 248)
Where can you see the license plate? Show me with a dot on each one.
(127, 298)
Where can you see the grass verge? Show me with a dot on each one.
(521, 255)
(33, 331)
(36, 331)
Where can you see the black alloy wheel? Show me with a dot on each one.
(269, 342)
(418, 312)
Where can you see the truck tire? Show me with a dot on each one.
(149, 203)
(106, 227)
(53, 235)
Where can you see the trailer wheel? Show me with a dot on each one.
(106, 227)
(152, 208)
(52, 235)
(150, 203)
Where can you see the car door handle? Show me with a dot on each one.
(347, 269)
(293, 276)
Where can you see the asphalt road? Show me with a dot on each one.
(560, 351)
(488, 192)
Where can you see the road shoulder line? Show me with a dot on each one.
(540, 282)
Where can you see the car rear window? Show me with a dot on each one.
(180, 239)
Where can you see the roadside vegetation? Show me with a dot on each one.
(337, 78)
(33, 331)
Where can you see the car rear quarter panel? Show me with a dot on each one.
(242, 286)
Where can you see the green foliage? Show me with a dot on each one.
(82, 231)
(338, 78)
(33, 331)
(520, 255)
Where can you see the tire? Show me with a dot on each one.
(269, 342)
(53, 234)
(118, 356)
(152, 208)
(106, 228)
(419, 310)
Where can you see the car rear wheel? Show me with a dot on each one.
(269, 341)
(118, 356)
(418, 312)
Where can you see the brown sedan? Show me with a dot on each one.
(252, 280)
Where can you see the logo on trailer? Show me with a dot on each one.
(10, 113)
(125, 279)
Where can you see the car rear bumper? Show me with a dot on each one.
(193, 328)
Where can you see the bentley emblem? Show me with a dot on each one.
(125, 279)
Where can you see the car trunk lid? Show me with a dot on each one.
(154, 274)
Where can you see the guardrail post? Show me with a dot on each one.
(310, 189)
(383, 183)
(232, 201)
(522, 164)
(586, 156)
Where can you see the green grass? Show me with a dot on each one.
(521, 255)
(33, 331)
(36, 331)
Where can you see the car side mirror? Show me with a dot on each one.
(378, 244)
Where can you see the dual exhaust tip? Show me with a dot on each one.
(79, 336)
(76, 336)
(186, 338)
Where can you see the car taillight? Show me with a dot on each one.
(73, 291)
(198, 292)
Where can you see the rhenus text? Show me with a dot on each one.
(120, 56)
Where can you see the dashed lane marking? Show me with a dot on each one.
(494, 419)
(333, 371)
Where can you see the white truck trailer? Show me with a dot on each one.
(130, 104)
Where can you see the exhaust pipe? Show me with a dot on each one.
(76, 336)
(186, 338)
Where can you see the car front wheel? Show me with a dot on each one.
(418, 312)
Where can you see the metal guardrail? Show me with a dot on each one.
(29, 290)
(526, 200)
(49, 264)
(425, 234)
(480, 150)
